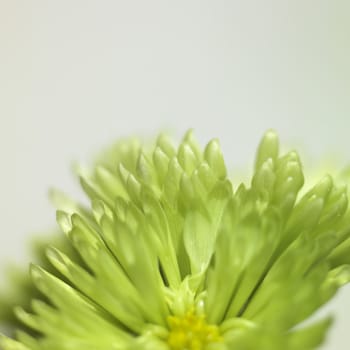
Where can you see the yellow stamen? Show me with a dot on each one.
(191, 332)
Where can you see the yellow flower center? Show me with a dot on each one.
(191, 332)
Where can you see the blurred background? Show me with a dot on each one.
(76, 75)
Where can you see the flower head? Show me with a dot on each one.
(173, 256)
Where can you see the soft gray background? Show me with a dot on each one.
(75, 75)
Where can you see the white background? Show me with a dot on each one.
(75, 75)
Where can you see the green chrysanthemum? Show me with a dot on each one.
(172, 256)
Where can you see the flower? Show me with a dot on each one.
(173, 256)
